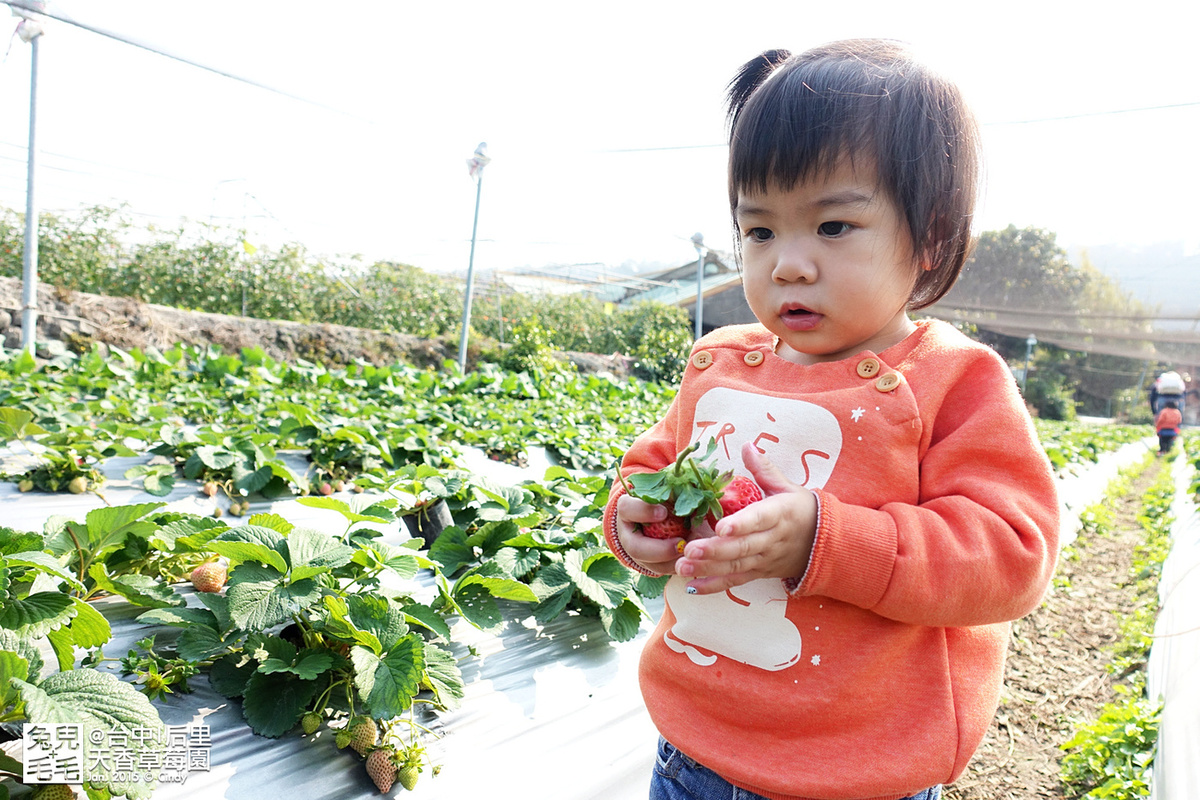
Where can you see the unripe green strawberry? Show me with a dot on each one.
(235, 509)
(325, 489)
(54, 791)
(382, 768)
(341, 739)
(363, 735)
(310, 723)
(209, 577)
(408, 776)
(78, 485)
(217, 512)
(25, 485)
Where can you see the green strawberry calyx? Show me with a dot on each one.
(691, 487)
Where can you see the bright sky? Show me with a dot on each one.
(604, 121)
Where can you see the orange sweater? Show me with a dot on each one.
(1168, 419)
(879, 674)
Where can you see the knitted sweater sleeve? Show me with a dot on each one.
(650, 452)
(980, 545)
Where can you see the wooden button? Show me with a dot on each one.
(888, 382)
(702, 360)
(868, 368)
(753, 358)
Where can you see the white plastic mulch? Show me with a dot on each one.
(1174, 669)
(550, 713)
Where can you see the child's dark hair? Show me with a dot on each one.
(793, 117)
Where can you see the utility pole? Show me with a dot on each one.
(475, 166)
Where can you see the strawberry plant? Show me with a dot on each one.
(305, 630)
(34, 619)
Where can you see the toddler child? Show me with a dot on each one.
(844, 637)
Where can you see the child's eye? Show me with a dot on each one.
(833, 228)
(759, 234)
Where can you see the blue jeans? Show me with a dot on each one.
(677, 777)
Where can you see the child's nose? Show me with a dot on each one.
(795, 263)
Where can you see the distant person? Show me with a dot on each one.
(1168, 423)
(845, 635)
(1168, 386)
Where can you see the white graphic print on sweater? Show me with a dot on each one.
(747, 623)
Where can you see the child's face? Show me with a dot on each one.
(828, 266)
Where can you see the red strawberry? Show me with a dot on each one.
(209, 577)
(670, 528)
(740, 493)
(382, 768)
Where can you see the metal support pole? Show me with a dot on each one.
(29, 309)
(476, 166)
(1030, 343)
(698, 240)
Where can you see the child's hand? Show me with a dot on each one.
(656, 555)
(768, 539)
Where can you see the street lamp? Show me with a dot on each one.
(475, 167)
(698, 241)
(30, 30)
(1030, 343)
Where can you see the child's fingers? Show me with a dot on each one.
(638, 511)
(768, 476)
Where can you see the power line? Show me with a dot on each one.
(37, 8)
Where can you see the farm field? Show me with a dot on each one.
(303, 476)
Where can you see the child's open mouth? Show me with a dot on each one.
(798, 318)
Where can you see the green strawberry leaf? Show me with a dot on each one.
(599, 577)
(34, 616)
(478, 607)
(231, 674)
(98, 701)
(181, 617)
(272, 521)
(43, 562)
(444, 677)
(379, 616)
(215, 458)
(274, 702)
(426, 617)
(17, 423)
(199, 643)
(141, 590)
(250, 543)
(622, 622)
(109, 527)
(187, 535)
(261, 598)
(90, 628)
(14, 541)
(12, 665)
(451, 550)
(553, 605)
(388, 684)
(344, 508)
(312, 552)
